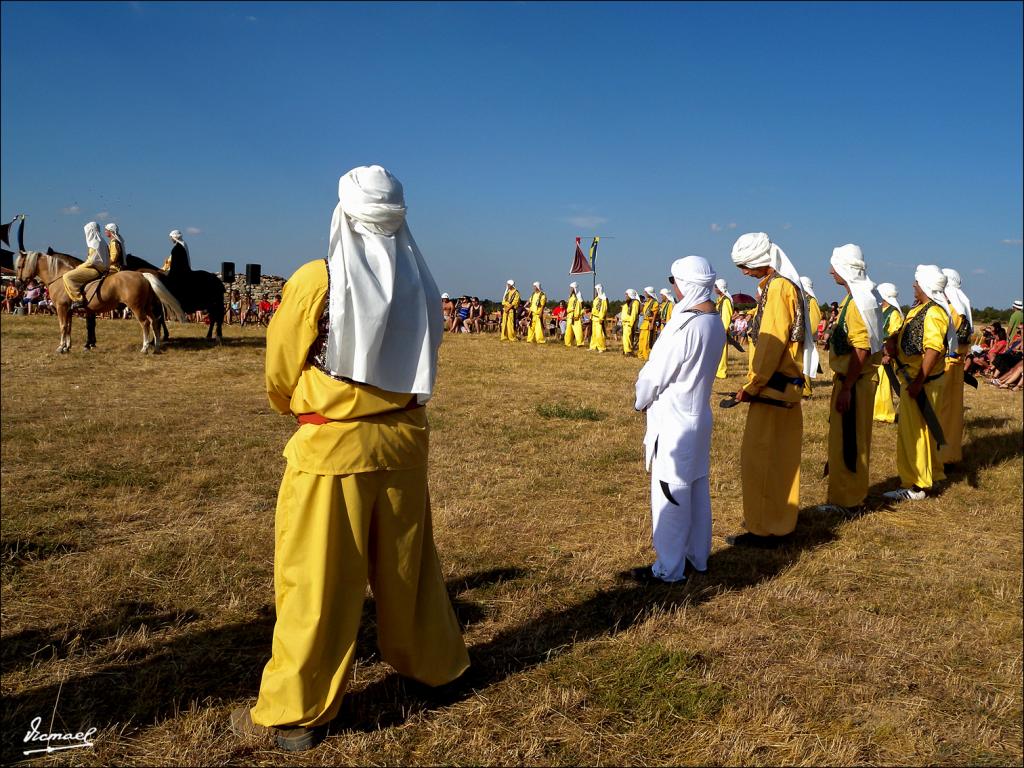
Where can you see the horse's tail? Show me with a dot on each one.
(171, 306)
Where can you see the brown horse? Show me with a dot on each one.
(138, 291)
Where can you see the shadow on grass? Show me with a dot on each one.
(203, 343)
(220, 664)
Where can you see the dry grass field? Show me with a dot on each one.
(138, 500)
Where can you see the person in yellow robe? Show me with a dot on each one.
(115, 247)
(97, 261)
(814, 313)
(771, 448)
(951, 415)
(854, 353)
(724, 307)
(509, 305)
(665, 308)
(917, 352)
(630, 314)
(598, 313)
(648, 321)
(574, 317)
(354, 506)
(537, 303)
(892, 321)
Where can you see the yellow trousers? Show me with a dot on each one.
(644, 344)
(846, 488)
(332, 534)
(917, 456)
(885, 408)
(574, 330)
(951, 415)
(508, 327)
(536, 333)
(807, 386)
(597, 335)
(78, 278)
(723, 366)
(627, 339)
(770, 469)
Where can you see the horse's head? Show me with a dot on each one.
(23, 271)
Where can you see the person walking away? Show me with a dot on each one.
(918, 351)
(854, 353)
(354, 506)
(574, 317)
(725, 308)
(537, 303)
(951, 412)
(509, 306)
(597, 316)
(95, 266)
(674, 389)
(629, 314)
(780, 356)
(892, 321)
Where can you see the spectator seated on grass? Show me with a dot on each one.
(11, 296)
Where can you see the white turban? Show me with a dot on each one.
(665, 292)
(957, 298)
(175, 235)
(95, 242)
(112, 229)
(511, 282)
(537, 286)
(384, 327)
(755, 249)
(649, 290)
(632, 294)
(599, 291)
(889, 294)
(932, 281)
(573, 287)
(808, 286)
(695, 278)
(723, 286)
(848, 262)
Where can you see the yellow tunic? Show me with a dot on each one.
(951, 413)
(574, 321)
(116, 257)
(509, 304)
(917, 455)
(770, 455)
(846, 488)
(629, 315)
(814, 312)
(665, 311)
(885, 409)
(649, 318)
(724, 307)
(597, 315)
(537, 303)
(353, 506)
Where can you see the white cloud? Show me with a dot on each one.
(71, 209)
(979, 271)
(716, 227)
(250, 18)
(1016, 241)
(732, 225)
(193, 231)
(102, 215)
(787, 225)
(586, 221)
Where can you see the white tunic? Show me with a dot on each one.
(675, 388)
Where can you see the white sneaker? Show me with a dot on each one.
(905, 494)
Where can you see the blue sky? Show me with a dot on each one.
(515, 127)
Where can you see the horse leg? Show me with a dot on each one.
(62, 321)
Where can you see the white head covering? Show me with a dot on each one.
(537, 286)
(649, 290)
(848, 262)
(755, 249)
(1018, 304)
(599, 290)
(175, 235)
(573, 287)
(933, 282)
(632, 294)
(666, 293)
(384, 328)
(808, 286)
(445, 296)
(511, 283)
(889, 294)
(957, 298)
(95, 242)
(112, 229)
(723, 286)
(695, 279)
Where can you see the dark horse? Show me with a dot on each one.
(195, 290)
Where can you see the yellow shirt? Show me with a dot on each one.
(650, 314)
(814, 310)
(537, 302)
(510, 300)
(600, 310)
(724, 308)
(573, 308)
(665, 311)
(372, 429)
(856, 337)
(774, 351)
(116, 260)
(631, 310)
(936, 322)
(895, 321)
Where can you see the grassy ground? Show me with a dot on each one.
(137, 531)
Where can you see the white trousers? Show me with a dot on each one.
(682, 531)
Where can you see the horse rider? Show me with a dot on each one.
(177, 263)
(96, 265)
(116, 247)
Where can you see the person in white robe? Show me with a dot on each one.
(674, 389)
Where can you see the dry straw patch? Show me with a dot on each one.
(138, 498)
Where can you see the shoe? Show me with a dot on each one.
(645, 575)
(752, 540)
(243, 726)
(906, 494)
(300, 739)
